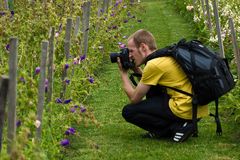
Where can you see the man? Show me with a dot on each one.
(165, 112)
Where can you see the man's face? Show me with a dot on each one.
(135, 53)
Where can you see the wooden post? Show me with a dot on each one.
(67, 40)
(99, 14)
(12, 91)
(110, 3)
(86, 17)
(41, 88)
(105, 6)
(100, 7)
(203, 9)
(44, 4)
(50, 65)
(76, 27)
(218, 26)
(194, 3)
(209, 23)
(3, 98)
(6, 4)
(235, 46)
(67, 44)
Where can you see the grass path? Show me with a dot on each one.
(117, 140)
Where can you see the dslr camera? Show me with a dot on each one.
(124, 58)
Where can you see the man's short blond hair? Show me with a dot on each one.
(143, 36)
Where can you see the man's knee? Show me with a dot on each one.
(127, 112)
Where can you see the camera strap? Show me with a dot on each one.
(131, 77)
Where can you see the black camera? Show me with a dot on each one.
(124, 58)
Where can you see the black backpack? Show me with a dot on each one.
(208, 73)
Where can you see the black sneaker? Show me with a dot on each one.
(149, 135)
(161, 135)
(183, 133)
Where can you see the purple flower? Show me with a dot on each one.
(46, 81)
(67, 101)
(72, 110)
(65, 142)
(37, 70)
(46, 89)
(18, 123)
(22, 80)
(122, 46)
(114, 27)
(2, 13)
(66, 66)
(7, 47)
(125, 21)
(76, 106)
(83, 109)
(83, 57)
(76, 61)
(67, 132)
(12, 13)
(67, 81)
(91, 80)
(58, 100)
(70, 131)
(116, 4)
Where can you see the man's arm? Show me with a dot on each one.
(135, 95)
(137, 70)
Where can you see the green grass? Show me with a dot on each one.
(116, 139)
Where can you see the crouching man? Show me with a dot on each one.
(161, 111)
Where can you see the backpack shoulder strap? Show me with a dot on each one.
(167, 51)
(160, 53)
(180, 91)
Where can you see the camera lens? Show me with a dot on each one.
(113, 57)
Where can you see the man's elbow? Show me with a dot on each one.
(134, 100)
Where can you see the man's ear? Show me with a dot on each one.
(143, 46)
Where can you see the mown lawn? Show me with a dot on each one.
(115, 139)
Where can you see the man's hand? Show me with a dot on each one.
(135, 95)
(121, 69)
(137, 70)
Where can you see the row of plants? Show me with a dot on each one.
(227, 9)
(30, 23)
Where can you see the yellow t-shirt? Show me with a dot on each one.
(167, 72)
